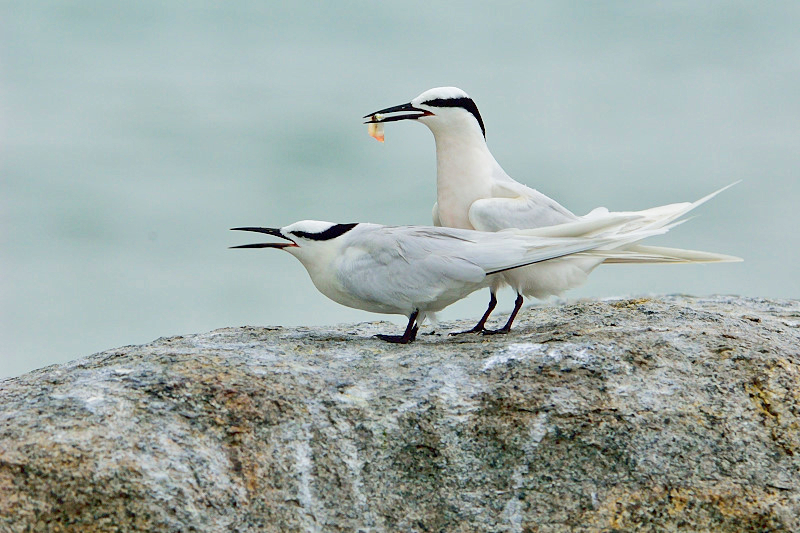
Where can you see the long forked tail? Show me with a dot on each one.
(657, 217)
(663, 218)
(656, 254)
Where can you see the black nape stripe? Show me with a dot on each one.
(466, 103)
(328, 234)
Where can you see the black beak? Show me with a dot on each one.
(269, 231)
(416, 113)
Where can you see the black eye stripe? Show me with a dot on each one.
(328, 234)
(465, 103)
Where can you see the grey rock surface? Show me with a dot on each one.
(662, 414)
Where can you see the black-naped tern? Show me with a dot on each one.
(418, 270)
(474, 192)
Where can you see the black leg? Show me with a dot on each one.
(482, 322)
(408, 336)
(507, 327)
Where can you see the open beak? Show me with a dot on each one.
(407, 112)
(269, 231)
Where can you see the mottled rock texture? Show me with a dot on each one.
(666, 414)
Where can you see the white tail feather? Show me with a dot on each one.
(656, 254)
(620, 233)
(585, 227)
(663, 218)
(659, 216)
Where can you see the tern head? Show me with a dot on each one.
(306, 239)
(442, 109)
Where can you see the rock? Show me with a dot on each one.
(660, 414)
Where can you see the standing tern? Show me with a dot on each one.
(474, 192)
(418, 270)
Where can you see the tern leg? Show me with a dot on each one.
(408, 336)
(507, 327)
(482, 322)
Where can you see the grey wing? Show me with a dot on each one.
(514, 205)
(504, 250)
(409, 268)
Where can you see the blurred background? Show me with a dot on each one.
(134, 134)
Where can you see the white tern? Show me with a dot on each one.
(473, 192)
(418, 270)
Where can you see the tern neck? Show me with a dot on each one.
(464, 170)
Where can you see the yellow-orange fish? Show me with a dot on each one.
(375, 129)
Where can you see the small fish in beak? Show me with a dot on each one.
(375, 129)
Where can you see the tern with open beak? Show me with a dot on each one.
(416, 271)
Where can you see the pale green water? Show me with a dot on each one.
(135, 134)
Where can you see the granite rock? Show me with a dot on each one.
(663, 414)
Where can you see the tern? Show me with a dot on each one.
(474, 192)
(416, 271)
